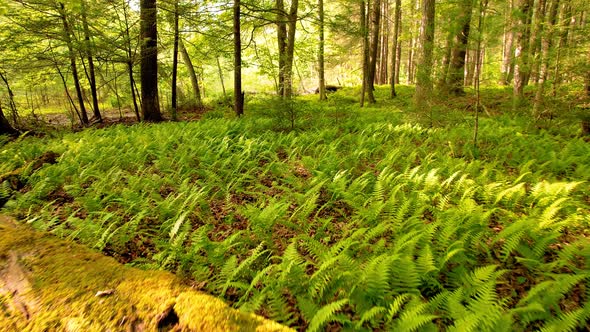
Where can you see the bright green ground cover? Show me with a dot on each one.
(359, 219)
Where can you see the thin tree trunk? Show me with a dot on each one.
(376, 17)
(220, 72)
(11, 103)
(192, 74)
(150, 106)
(506, 70)
(63, 80)
(398, 52)
(460, 40)
(238, 94)
(544, 62)
(587, 80)
(565, 20)
(536, 36)
(520, 52)
(322, 78)
(130, 62)
(365, 62)
(482, 11)
(394, 53)
(290, 54)
(442, 80)
(173, 96)
(68, 38)
(424, 66)
(384, 57)
(92, 77)
(282, 43)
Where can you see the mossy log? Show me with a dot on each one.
(50, 284)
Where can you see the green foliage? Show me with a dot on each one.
(362, 222)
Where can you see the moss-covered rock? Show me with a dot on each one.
(48, 284)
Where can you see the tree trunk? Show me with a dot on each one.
(506, 69)
(384, 53)
(544, 62)
(220, 73)
(520, 52)
(365, 61)
(398, 52)
(565, 20)
(5, 127)
(587, 80)
(457, 63)
(12, 104)
(322, 79)
(394, 53)
(442, 80)
(424, 66)
(282, 43)
(193, 76)
(150, 106)
(376, 17)
(130, 62)
(92, 77)
(290, 54)
(173, 96)
(238, 94)
(68, 38)
(536, 36)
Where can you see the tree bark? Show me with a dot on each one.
(460, 40)
(92, 77)
(521, 40)
(238, 94)
(282, 43)
(398, 51)
(375, 18)
(424, 66)
(72, 56)
(507, 68)
(150, 106)
(193, 76)
(173, 96)
(5, 127)
(365, 57)
(587, 80)
(384, 48)
(12, 104)
(536, 36)
(565, 20)
(130, 62)
(394, 53)
(291, 27)
(546, 39)
(321, 65)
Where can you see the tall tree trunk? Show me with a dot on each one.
(221, 80)
(322, 78)
(374, 50)
(282, 43)
(546, 41)
(564, 22)
(384, 53)
(130, 61)
(290, 54)
(238, 94)
(442, 80)
(192, 74)
(587, 79)
(520, 53)
(72, 55)
(536, 36)
(394, 58)
(457, 64)
(424, 66)
(173, 96)
(92, 77)
(150, 106)
(365, 59)
(398, 51)
(506, 69)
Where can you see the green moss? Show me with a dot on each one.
(64, 278)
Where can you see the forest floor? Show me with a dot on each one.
(325, 216)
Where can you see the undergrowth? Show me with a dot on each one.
(357, 220)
